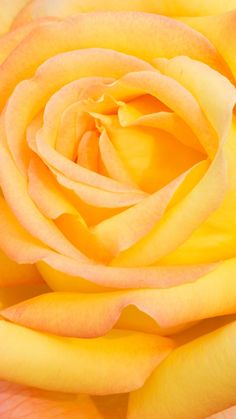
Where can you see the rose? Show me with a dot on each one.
(118, 209)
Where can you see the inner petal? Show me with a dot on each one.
(152, 156)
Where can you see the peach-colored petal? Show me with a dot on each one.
(88, 151)
(170, 38)
(116, 363)
(112, 162)
(23, 248)
(210, 296)
(215, 239)
(229, 413)
(209, 87)
(177, 98)
(62, 8)
(167, 121)
(12, 39)
(151, 156)
(123, 230)
(196, 380)
(16, 242)
(14, 274)
(204, 198)
(30, 403)
(44, 190)
(220, 30)
(9, 11)
(30, 96)
(15, 191)
(65, 274)
(98, 198)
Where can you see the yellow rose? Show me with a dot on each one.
(118, 209)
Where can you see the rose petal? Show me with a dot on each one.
(9, 10)
(220, 30)
(210, 296)
(14, 274)
(65, 274)
(118, 362)
(123, 230)
(170, 38)
(61, 8)
(208, 86)
(224, 414)
(25, 402)
(196, 380)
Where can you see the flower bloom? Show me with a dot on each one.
(117, 209)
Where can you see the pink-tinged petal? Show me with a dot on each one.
(13, 274)
(123, 230)
(167, 121)
(65, 274)
(88, 151)
(64, 110)
(15, 190)
(100, 198)
(169, 38)
(16, 242)
(44, 191)
(195, 381)
(80, 175)
(18, 401)
(215, 94)
(70, 314)
(152, 157)
(112, 162)
(194, 208)
(220, 30)
(215, 239)
(229, 413)
(12, 39)
(118, 362)
(30, 96)
(190, 212)
(21, 247)
(9, 11)
(62, 8)
(176, 97)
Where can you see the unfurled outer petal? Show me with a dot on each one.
(196, 380)
(9, 10)
(70, 314)
(25, 402)
(118, 362)
(63, 8)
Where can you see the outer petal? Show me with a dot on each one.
(25, 402)
(169, 39)
(116, 363)
(212, 295)
(229, 413)
(13, 274)
(68, 274)
(220, 30)
(61, 8)
(9, 10)
(196, 380)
